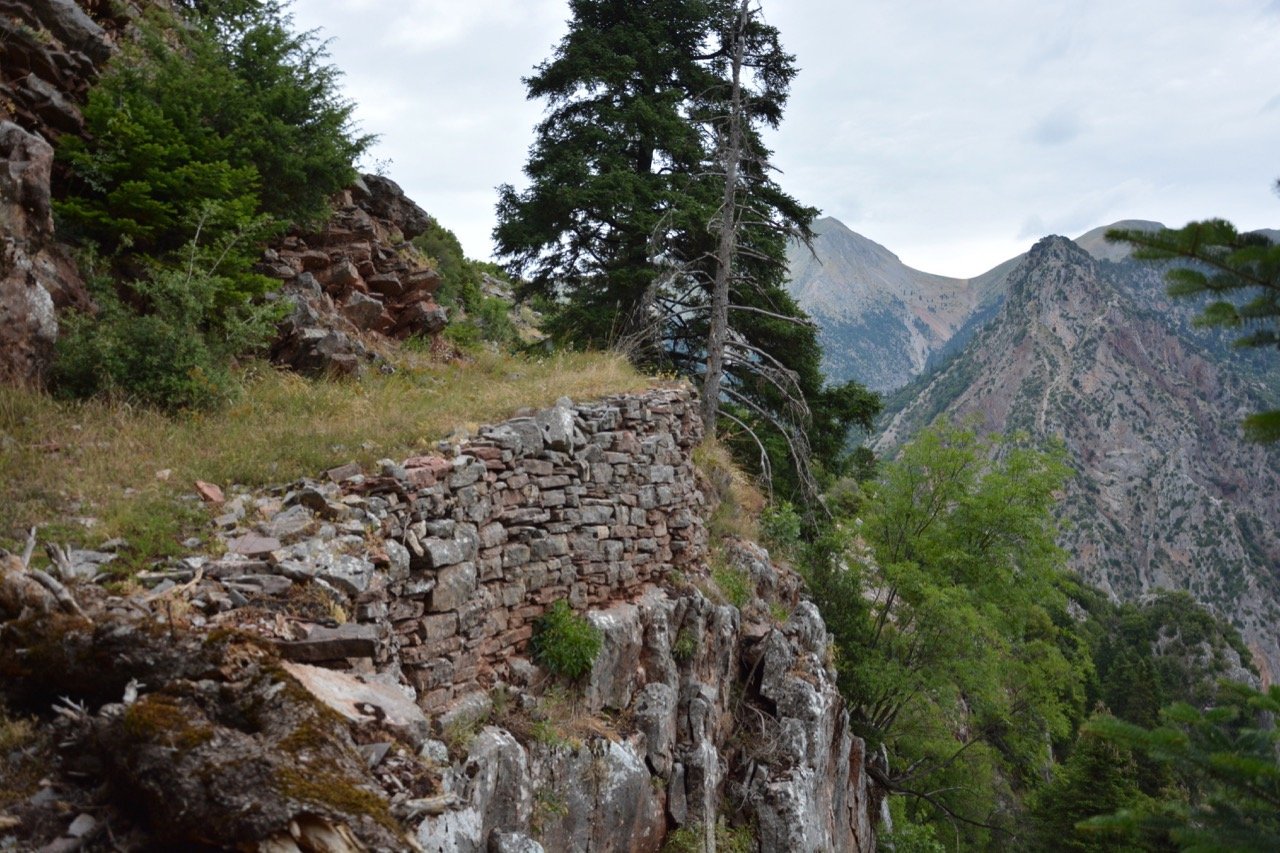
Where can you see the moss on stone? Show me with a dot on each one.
(158, 718)
(333, 792)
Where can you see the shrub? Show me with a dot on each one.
(685, 646)
(781, 525)
(236, 109)
(565, 643)
(170, 346)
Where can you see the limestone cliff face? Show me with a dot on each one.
(1167, 494)
(404, 602)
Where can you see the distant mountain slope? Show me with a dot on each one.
(880, 320)
(1167, 494)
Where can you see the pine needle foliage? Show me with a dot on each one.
(1238, 276)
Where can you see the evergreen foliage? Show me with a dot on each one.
(1099, 777)
(1240, 276)
(627, 174)
(1228, 759)
(201, 136)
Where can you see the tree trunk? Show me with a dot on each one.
(718, 332)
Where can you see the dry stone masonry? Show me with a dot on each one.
(586, 503)
(405, 601)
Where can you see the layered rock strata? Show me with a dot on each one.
(357, 276)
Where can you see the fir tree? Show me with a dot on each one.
(1238, 273)
(650, 184)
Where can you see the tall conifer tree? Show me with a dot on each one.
(649, 155)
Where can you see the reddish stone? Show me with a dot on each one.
(420, 478)
(209, 493)
(314, 259)
(344, 472)
(437, 465)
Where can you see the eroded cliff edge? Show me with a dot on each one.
(404, 602)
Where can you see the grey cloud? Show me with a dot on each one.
(1057, 128)
(926, 124)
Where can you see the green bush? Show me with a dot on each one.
(564, 643)
(734, 583)
(169, 346)
(685, 646)
(203, 136)
(781, 525)
(235, 109)
(459, 277)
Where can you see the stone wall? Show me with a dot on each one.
(405, 602)
(588, 503)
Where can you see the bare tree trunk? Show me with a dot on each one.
(718, 332)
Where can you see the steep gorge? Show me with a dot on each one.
(1167, 494)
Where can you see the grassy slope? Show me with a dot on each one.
(62, 462)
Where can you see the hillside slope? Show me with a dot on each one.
(880, 319)
(1167, 494)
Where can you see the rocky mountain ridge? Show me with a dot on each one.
(1166, 493)
(880, 320)
(884, 323)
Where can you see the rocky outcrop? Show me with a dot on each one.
(50, 53)
(354, 281)
(37, 275)
(363, 650)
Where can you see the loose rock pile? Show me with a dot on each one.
(357, 276)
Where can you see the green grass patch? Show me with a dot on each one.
(565, 643)
(62, 462)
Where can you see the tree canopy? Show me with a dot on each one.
(630, 190)
(949, 610)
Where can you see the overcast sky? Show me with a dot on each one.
(955, 134)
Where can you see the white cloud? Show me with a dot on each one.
(938, 129)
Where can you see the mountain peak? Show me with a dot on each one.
(881, 320)
(1095, 242)
(1100, 357)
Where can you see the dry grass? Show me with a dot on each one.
(64, 462)
(737, 501)
(21, 758)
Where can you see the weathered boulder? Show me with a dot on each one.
(387, 201)
(493, 786)
(315, 338)
(205, 739)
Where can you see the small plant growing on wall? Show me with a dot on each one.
(565, 643)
